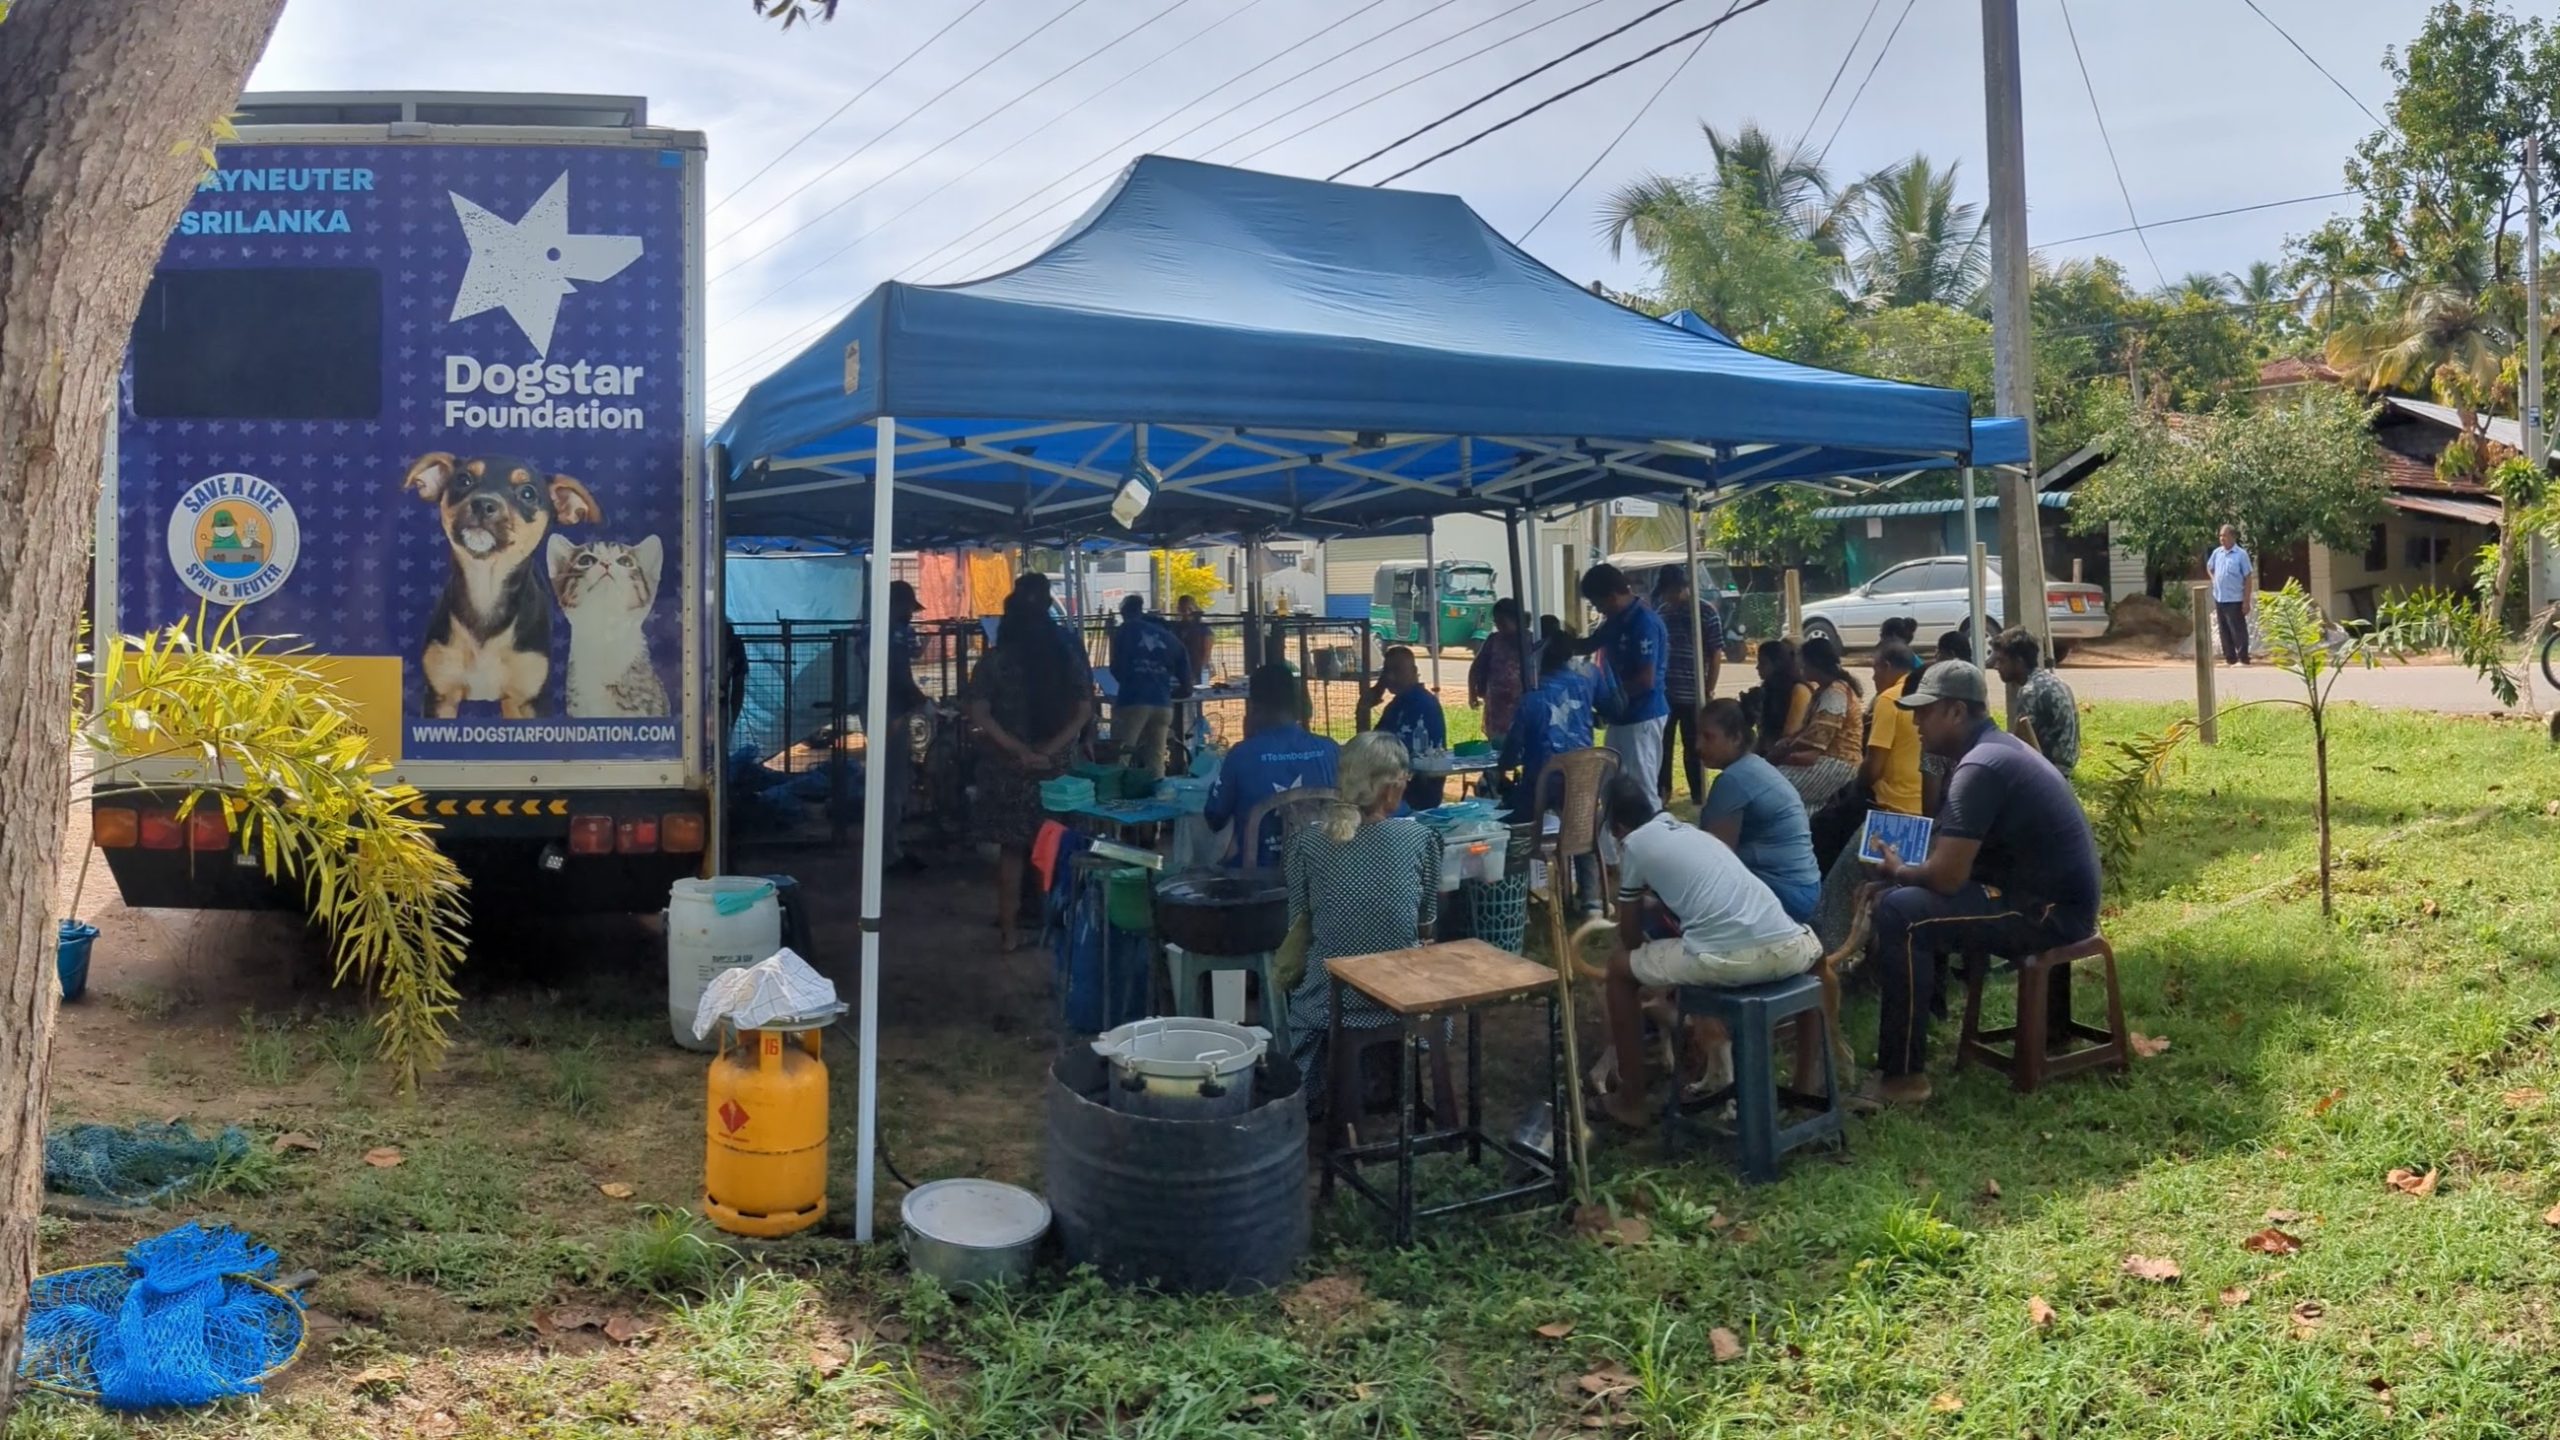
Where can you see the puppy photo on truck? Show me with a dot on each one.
(489, 636)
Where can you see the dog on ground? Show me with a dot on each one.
(489, 637)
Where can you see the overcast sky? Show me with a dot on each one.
(2208, 106)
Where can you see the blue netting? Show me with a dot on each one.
(184, 1321)
(134, 1164)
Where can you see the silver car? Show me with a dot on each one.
(1935, 592)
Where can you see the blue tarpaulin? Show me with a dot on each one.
(1290, 355)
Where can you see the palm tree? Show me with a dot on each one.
(2201, 285)
(1783, 181)
(1915, 244)
(2261, 287)
(2330, 276)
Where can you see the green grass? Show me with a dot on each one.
(1868, 1292)
(267, 1051)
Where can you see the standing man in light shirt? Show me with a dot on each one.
(2234, 576)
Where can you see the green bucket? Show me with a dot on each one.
(1131, 899)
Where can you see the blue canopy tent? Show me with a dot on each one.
(1257, 352)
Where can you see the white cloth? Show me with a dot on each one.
(781, 987)
(1672, 962)
(1723, 909)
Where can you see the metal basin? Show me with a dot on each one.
(1223, 912)
(973, 1234)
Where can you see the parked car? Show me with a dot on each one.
(1935, 591)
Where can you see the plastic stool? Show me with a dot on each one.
(1185, 973)
(2044, 1017)
(1752, 1015)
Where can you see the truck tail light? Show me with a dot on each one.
(591, 835)
(680, 833)
(638, 835)
(2055, 599)
(113, 827)
(207, 829)
(161, 831)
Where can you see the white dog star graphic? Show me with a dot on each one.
(526, 266)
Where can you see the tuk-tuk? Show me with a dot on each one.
(1400, 602)
(1715, 584)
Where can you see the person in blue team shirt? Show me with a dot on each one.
(1552, 719)
(1276, 754)
(1147, 663)
(1636, 649)
(1413, 717)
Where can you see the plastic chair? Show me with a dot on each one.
(1296, 808)
(1752, 1015)
(1584, 776)
(1185, 972)
(2044, 1016)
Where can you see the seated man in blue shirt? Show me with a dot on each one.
(1276, 754)
(1147, 662)
(2012, 870)
(1413, 717)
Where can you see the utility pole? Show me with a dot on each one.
(2013, 370)
(2537, 559)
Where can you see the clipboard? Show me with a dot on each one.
(1907, 834)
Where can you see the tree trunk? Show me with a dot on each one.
(101, 116)
(2320, 764)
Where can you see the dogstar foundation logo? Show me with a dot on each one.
(525, 267)
(234, 538)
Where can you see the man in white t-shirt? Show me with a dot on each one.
(1688, 914)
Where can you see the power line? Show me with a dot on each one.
(1845, 57)
(1510, 84)
(833, 115)
(866, 146)
(1620, 138)
(847, 248)
(2352, 97)
(1865, 80)
(1744, 8)
(2121, 188)
(946, 142)
(2204, 215)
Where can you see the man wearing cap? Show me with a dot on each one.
(906, 701)
(2011, 870)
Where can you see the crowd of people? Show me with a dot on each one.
(1769, 878)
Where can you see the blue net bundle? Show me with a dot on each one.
(186, 1320)
(134, 1164)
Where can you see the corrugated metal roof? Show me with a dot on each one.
(2050, 500)
(2502, 429)
(2476, 512)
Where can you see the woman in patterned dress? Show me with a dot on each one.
(1364, 881)
(1821, 756)
(1028, 709)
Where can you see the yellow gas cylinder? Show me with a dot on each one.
(764, 1168)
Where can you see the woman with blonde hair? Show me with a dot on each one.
(1362, 880)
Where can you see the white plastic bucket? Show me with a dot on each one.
(702, 942)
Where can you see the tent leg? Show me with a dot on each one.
(1431, 593)
(1528, 612)
(1697, 615)
(1537, 575)
(1975, 578)
(875, 778)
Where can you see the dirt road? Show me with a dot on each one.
(2393, 687)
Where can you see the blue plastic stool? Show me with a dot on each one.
(1752, 1015)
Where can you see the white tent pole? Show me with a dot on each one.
(1975, 581)
(1697, 614)
(875, 780)
(1431, 591)
(1537, 579)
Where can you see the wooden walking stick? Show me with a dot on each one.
(1578, 1126)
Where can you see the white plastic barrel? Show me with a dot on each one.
(702, 942)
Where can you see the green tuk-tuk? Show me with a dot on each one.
(1400, 602)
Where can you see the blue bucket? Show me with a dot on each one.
(71, 957)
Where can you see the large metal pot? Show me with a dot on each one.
(1223, 912)
(1177, 1067)
(973, 1234)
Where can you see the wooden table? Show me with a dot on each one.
(1444, 980)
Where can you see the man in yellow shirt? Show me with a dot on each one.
(1892, 771)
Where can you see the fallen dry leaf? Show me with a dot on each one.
(379, 1382)
(1946, 1402)
(623, 1329)
(383, 1157)
(829, 1359)
(1325, 1298)
(2429, 909)
(2523, 1097)
(1608, 1420)
(2271, 1241)
(1556, 1329)
(1990, 1189)
(1265, 1400)
(1725, 1345)
(2283, 1217)
(615, 1190)
(1608, 1380)
(2551, 1216)
(2410, 1182)
(561, 1319)
(1364, 1391)
(294, 1140)
(2040, 1312)
(2148, 1046)
(2235, 1297)
(1607, 1226)
(2151, 1268)
(2326, 1102)
(1719, 1221)
(2307, 1317)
